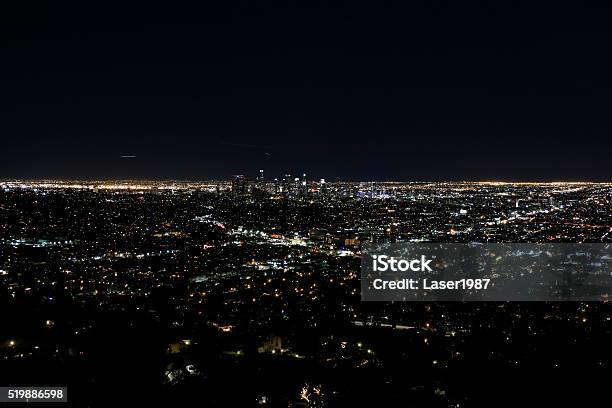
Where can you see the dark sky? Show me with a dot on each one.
(425, 91)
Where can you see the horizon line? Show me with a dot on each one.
(170, 180)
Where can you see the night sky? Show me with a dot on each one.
(360, 91)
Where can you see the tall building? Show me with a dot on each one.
(240, 185)
(260, 184)
(322, 186)
(296, 186)
(286, 187)
(304, 185)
